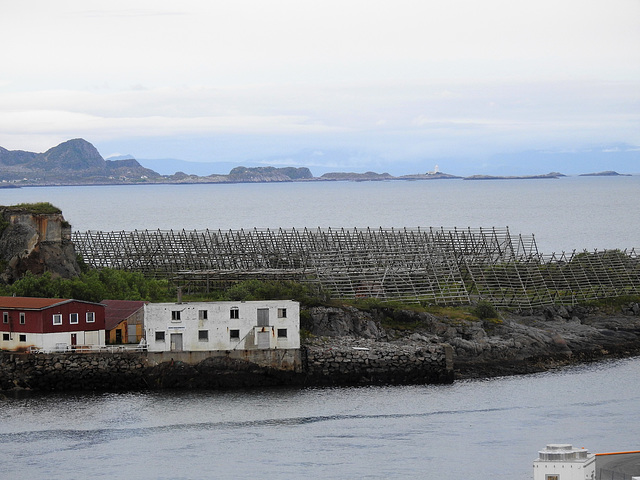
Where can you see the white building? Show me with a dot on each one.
(208, 326)
(563, 462)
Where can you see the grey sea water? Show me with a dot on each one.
(468, 430)
(564, 214)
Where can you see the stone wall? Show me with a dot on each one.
(362, 362)
(69, 371)
(313, 365)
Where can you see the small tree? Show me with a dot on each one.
(485, 310)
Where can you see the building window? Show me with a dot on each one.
(282, 313)
(23, 318)
(551, 477)
(234, 313)
(175, 315)
(5, 317)
(159, 336)
(57, 319)
(202, 314)
(282, 333)
(203, 335)
(23, 338)
(91, 317)
(73, 318)
(234, 334)
(5, 336)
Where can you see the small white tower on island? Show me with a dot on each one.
(560, 461)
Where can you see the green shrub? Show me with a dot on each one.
(485, 310)
(92, 286)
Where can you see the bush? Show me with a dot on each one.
(485, 310)
(92, 286)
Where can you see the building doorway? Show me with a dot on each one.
(176, 342)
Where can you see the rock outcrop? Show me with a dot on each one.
(516, 343)
(35, 242)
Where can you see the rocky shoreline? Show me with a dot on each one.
(345, 346)
(516, 343)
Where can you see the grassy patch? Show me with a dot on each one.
(41, 208)
(613, 304)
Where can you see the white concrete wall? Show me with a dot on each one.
(51, 341)
(219, 325)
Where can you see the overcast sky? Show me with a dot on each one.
(345, 85)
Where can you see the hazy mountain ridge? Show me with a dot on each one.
(72, 162)
(77, 161)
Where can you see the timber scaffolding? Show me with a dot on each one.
(433, 265)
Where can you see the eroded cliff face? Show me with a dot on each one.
(37, 243)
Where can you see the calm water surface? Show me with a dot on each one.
(564, 214)
(469, 430)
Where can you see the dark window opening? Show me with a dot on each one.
(159, 336)
(234, 313)
(202, 314)
(282, 333)
(282, 313)
(23, 338)
(203, 335)
(175, 315)
(5, 336)
(234, 334)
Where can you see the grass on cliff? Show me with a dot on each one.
(41, 208)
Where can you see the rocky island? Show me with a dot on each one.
(77, 162)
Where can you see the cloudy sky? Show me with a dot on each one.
(492, 86)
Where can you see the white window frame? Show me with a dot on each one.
(73, 316)
(203, 314)
(23, 318)
(175, 315)
(5, 317)
(234, 313)
(90, 317)
(22, 338)
(57, 319)
(282, 313)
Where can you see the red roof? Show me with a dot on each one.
(118, 310)
(30, 303)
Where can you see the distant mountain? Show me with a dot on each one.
(269, 174)
(73, 162)
(607, 173)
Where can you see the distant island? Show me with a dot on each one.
(607, 173)
(521, 177)
(77, 162)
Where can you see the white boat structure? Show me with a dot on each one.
(561, 461)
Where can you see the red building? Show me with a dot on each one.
(50, 324)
